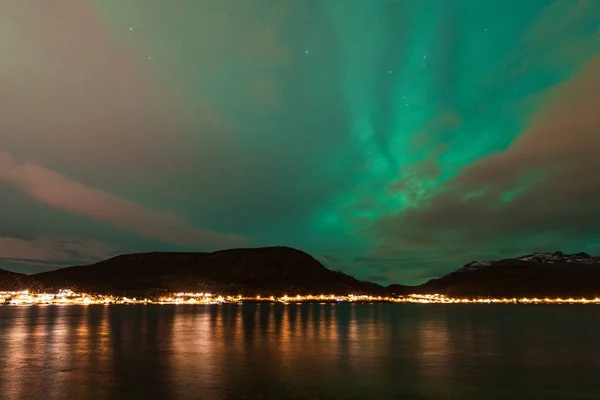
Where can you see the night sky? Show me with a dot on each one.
(393, 140)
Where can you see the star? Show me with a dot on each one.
(130, 28)
(390, 71)
(305, 51)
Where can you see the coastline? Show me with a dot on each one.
(69, 297)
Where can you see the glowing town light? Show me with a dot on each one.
(69, 297)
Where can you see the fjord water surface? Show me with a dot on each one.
(310, 351)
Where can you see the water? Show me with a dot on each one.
(343, 351)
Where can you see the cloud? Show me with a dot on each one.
(413, 175)
(76, 98)
(558, 37)
(378, 278)
(53, 251)
(546, 181)
(57, 191)
(330, 259)
(45, 253)
(200, 128)
(434, 130)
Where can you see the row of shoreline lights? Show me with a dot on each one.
(70, 297)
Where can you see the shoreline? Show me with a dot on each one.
(69, 297)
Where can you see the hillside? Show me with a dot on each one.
(10, 281)
(283, 270)
(268, 270)
(397, 290)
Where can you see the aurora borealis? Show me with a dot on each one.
(393, 140)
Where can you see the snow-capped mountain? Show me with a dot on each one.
(559, 256)
(549, 258)
(475, 265)
(535, 274)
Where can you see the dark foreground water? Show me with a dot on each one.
(343, 351)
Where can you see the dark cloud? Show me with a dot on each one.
(378, 278)
(544, 185)
(50, 252)
(330, 259)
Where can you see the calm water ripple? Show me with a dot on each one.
(311, 351)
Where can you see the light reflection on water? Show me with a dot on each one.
(332, 351)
